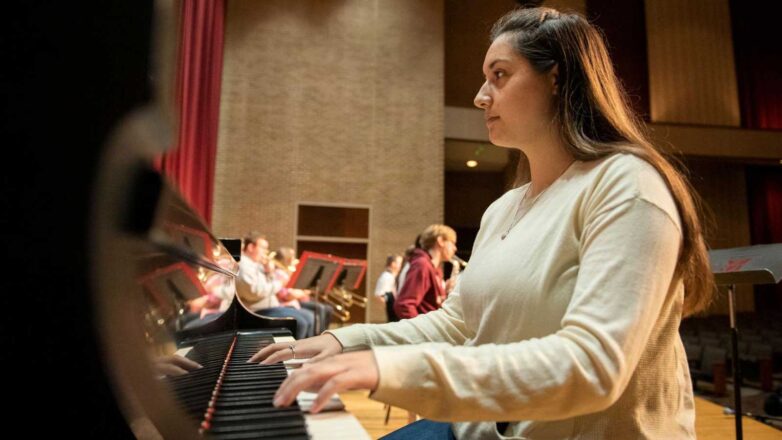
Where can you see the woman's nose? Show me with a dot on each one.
(482, 99)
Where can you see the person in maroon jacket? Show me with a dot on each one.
(424, 290)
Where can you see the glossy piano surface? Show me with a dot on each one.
(189, 278)
(167, 285)
(163, 283)
(166, 282)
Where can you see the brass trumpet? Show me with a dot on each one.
(339, 310)
(342, 300)
(460, 262)
(350, 298)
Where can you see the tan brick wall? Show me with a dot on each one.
(332, 102)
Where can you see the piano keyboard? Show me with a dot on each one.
(232, 399)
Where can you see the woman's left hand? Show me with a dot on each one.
(350, 371)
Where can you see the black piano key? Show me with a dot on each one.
(241, 405)
(266, 397)
(248, 414)
(292, 423)
(291, 434)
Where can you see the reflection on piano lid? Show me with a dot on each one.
(154, 259)
(150, 281)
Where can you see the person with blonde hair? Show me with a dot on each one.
(565, 323)
(424, 290)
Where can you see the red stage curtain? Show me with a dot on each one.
(765, 200)
(624, 26)
(191, 164)
(764, 186)
(758, 57)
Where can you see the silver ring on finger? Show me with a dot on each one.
(293, 350)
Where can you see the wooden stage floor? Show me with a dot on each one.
(710, 422)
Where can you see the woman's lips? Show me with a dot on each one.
(491, 119)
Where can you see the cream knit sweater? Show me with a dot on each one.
(567, 328)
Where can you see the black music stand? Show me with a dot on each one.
(233, 246)
(761, 264)
(352, 274)
(315, 271)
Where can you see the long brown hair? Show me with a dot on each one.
(595, 121)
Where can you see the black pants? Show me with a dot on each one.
(390, 307)
(324, 314)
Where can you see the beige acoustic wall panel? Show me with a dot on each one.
(332, 102)
(692, 78)
(567, 5)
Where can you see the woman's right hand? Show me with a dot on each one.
(315, 349)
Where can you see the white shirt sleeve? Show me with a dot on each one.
(251, 275)
(385, 283)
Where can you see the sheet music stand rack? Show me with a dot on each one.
(760, 264)
(317, 272)
(352, 273)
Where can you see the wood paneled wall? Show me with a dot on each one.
(467, 25)
(692, 75)
(579, 6)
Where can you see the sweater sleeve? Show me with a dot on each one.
(416, 285)
(444, 325)
(627, 259)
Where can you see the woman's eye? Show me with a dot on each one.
(499, 74)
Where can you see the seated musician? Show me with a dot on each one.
(385, 288)
(257, 272)
(424, 289)
(219, 294)
(298, 298)
(565, 324)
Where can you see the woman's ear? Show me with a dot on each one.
(554, 78)
(441, 241)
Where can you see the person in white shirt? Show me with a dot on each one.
(565, 324)
(257, 287)
(385, 289)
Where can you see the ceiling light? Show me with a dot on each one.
(472, 163)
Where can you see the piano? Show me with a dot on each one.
(156, 258)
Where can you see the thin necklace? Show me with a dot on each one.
(519, 213)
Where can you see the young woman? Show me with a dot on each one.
(565, 324)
